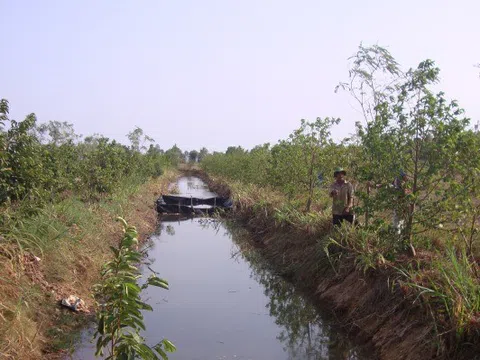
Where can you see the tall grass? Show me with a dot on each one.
(71, 238)
(452, 284)
(445, 278)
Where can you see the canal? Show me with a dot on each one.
(224, 302)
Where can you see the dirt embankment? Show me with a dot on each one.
(76, 240)
(372, 305)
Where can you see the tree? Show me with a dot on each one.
(193, 156)
(138, 139)
(417, 131)
(155, 150)
(120, 307)
(56, 133)
(4, 109)
(374, 78)
(203, 152)
(296, 161)
(234, 150)
(257, 165)
(174, 155)
(22, 171)
(463, 214)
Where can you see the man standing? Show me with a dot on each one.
(341, 192)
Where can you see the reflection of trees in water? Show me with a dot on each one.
(303, 333)
(196, 184)
(192, 186)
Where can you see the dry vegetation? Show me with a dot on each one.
(384, 300)
(73, 239)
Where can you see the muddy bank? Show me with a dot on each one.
(372, 305)
(80, 235)
(223, 295)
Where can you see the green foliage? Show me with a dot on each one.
(138, 139)
(453, 284)
(193, 156)
(42, 163)
(297, 161)
(419, 132)
(371, 247)
(120, 317)
(21, 162)
(175, 155)
(56, 132)
(202, 153)
(4, 109)
(373, 78)
(292, 165)
(406, 127)
(462, 214)
(249, 166)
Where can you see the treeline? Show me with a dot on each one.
(296, 165)
(45, 162)
(406, 127)
(195, 156)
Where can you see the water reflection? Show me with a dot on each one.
(193, 186)
(304, 333)
(224, 301)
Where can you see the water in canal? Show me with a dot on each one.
(224, 303)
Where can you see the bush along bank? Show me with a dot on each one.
(416, 185)
(385, 301)
(59, 196)
(72, 243)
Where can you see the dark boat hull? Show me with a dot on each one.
(173, 204)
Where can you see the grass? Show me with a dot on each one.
(451, 283)
(441, 276)
(71, 239)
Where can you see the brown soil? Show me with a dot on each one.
(31, 318)
(371, 306)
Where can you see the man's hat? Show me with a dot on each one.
(339, 170)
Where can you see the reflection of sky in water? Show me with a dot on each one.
(192, 186)
(224, 304)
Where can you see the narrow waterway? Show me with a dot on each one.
(225, 303)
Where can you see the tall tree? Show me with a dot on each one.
(374, 77)
(4, 109)
(138, 139)
(418, 131)
(155, 150)
(174, 155)
(193, 156)
(234, 150)
(56, 133)
(203, 152)
(296, 161)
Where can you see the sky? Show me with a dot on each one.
(219, 73)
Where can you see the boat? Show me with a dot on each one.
(176, 204)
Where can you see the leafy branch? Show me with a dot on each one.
(120, 317)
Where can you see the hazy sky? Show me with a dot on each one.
(218, 73)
